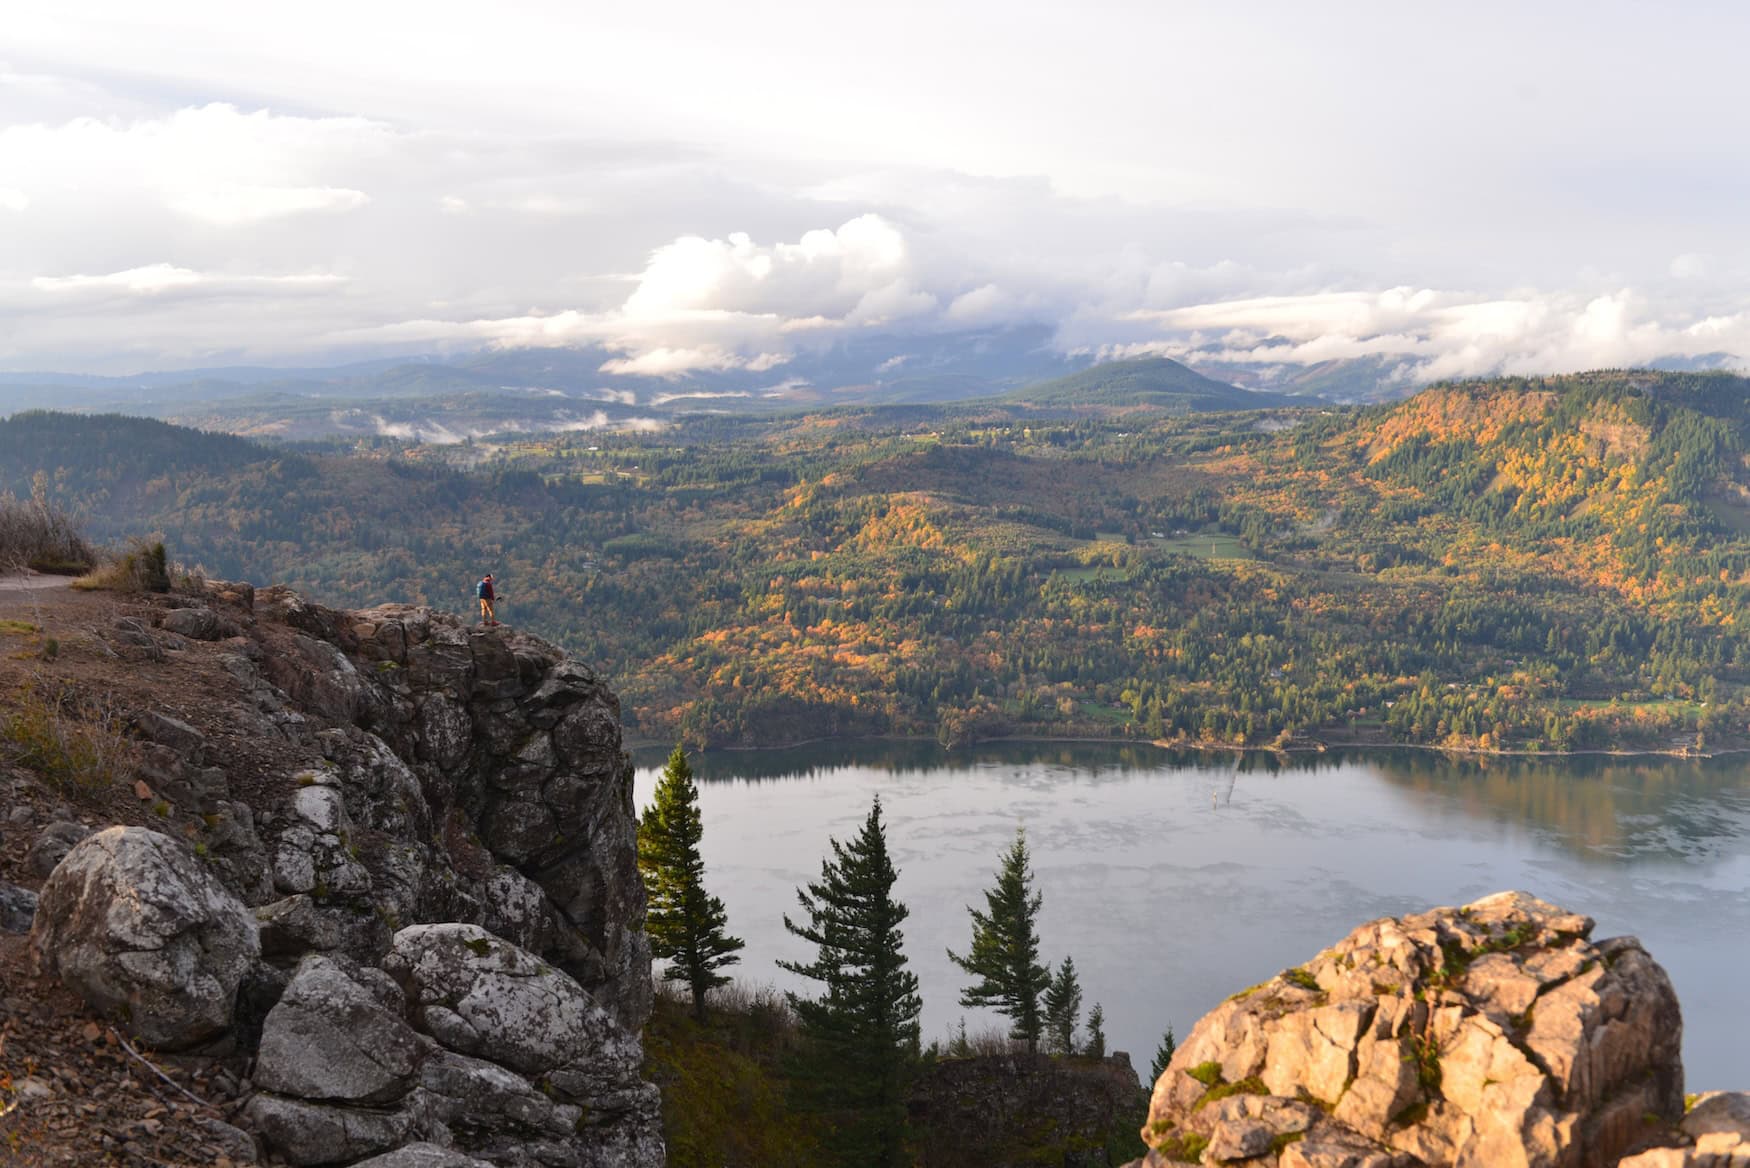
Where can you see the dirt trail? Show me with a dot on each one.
(32, 582)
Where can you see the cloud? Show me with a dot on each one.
(213, 163)
(721, 304)
(159, 279)
(662, 399)
(861, 268)
(181, 219)
(227, 206)
(1445, 334)
(666, 362)
(153, 278)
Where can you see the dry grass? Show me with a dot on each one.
(962, 1043)
(744, 1016)
(142, 568)
(41, 537)
(72, 743)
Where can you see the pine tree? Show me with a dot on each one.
(863, 1028)
(1005, 948)
(1163, 1055)
(686, 925)
(1096, 1047)
(1063, 1008)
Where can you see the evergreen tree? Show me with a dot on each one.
(1096, 1047)
(1005, 948)
(1163, 1055)
(863, 1028)
(686, 925)
(1063, 1008)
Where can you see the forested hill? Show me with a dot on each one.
(1154, 382)
(1548, 563)
(116, 451)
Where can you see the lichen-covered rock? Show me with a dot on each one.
(1497, 1034)
(480, 995)
(331, 1039)
(135, 924)
(512, 1061)
(319, 1133)
(350, 774)
(467, 774)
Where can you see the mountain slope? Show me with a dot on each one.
(1146, 381)
(1521, 563)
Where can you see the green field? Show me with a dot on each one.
(1206, 547)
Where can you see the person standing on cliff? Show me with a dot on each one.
(487, 595)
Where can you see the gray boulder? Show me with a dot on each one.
(200, 624)
(422, 1155)
(480, 995)
(318, 1133)
(330, 1038)
(17, 908)
(135, 924)
(52, 845)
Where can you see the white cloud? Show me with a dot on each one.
(665, 362)
(863, 266)
(156, 279)
(472, 186)
(214, 163)
(662, 399)
(152, 278)
(228, 206)
(1448, 334)
(983, 304)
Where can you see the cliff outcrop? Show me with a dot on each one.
(1499, 1034)
(382, 861)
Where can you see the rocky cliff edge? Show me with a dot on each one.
(380, 863)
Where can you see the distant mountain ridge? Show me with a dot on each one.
(537, 391)
(1148, 381)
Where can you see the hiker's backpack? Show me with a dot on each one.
(480, 590)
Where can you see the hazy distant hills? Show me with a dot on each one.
(584, 388)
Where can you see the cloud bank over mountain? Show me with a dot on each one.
(1459, 194)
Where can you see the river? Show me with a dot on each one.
(1176, 879)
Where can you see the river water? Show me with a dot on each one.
(1177, 879)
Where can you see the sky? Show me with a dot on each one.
(1466, 188)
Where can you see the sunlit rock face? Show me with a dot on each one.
(1498, 1034)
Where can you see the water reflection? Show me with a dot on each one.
(1600, 808)
(1175, 878)
(1603, 808)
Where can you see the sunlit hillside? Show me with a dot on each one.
(1517, 564)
